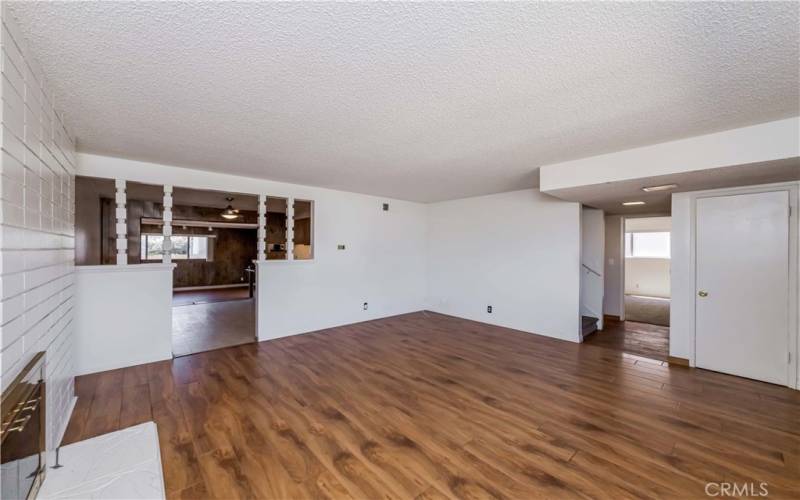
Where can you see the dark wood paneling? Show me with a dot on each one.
(234, 249)
(230, 262)
(430, 406)
(302, 231)
(108, 232)
(88, 238)
(276, 228)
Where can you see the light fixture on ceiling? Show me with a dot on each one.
(663, 187)
(229, 212)
(632, 203)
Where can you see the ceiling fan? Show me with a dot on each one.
(230, 213)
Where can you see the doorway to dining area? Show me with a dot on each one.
(210, 237)
(214, 243)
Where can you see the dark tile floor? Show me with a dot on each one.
(203, 327)
(189, 297)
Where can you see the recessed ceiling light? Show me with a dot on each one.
(663, 187)
(632, 203)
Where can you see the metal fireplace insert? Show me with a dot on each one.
(22, 433)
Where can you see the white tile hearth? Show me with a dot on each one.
(122, 464)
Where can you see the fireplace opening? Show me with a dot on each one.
(22, 433)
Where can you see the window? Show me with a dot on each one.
(198, 247)
(180, 247)
(183, 247)
(648, 245)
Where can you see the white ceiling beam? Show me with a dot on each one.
(776, 140)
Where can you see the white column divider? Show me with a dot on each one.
(262, 227)
(290, 229)
(122, 225)
(166, 229)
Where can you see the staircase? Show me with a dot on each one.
(588, 325)
(592, 283)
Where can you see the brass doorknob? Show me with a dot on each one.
(702, 293)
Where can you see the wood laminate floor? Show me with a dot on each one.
(429, 406)
(641, 339)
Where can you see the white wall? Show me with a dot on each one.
(592, 237)
(647, 276)
(383, 262)
(681, 309)
(123, 316)
(518, 251)
(388, 254)
(757, 143)
(648, 224)
(36, 229)
(614, 261)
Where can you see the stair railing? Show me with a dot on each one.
(591, 270)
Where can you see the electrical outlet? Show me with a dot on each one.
(489, 309)
(385, 207)
(340, 247)
(366, 305)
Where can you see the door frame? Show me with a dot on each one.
(793, 333)
(623, 259)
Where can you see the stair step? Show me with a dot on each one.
(588, 325)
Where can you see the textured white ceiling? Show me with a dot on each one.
(420, 101)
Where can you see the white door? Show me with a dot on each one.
(742, 296)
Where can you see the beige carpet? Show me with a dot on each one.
(651, 310)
